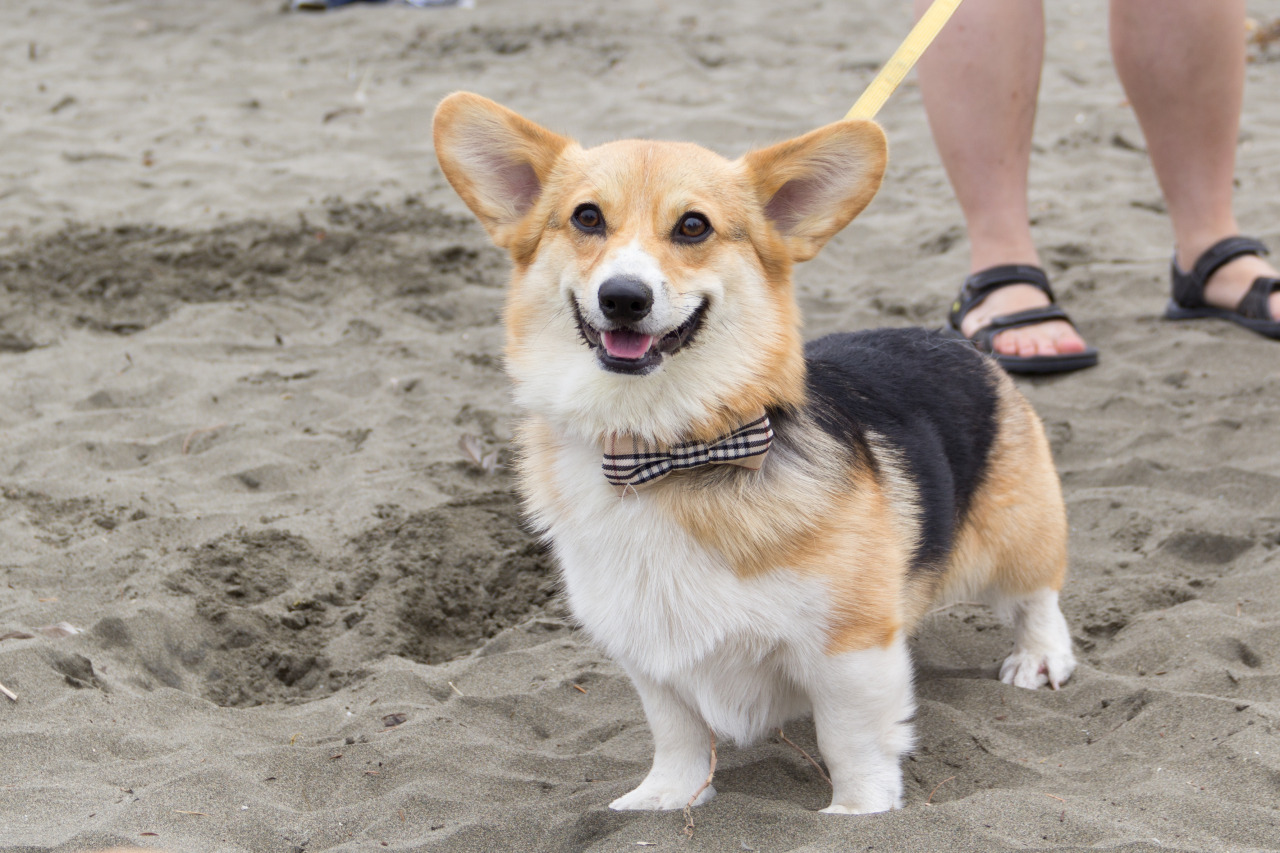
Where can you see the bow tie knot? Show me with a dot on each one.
(630, 464)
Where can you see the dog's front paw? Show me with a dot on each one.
(866, 805)
(1032, 670)
(875, 786)
(655, 798)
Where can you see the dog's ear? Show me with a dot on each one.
(496, 160)
(812, 186)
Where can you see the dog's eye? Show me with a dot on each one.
(692, 228)
(588, 218)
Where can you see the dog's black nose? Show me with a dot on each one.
(625, 300)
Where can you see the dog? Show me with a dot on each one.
(749, 525)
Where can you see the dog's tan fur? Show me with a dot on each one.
(1015, 534)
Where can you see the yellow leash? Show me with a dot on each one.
(903, 59)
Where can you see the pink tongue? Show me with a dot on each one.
(625, 344)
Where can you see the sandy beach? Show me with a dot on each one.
(255, 597)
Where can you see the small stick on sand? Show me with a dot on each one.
(816, 765)
(1059, 799)
(579, 688)
(6, 691)
(929, 801)
(186, 442)
(951, 605)
(688, 808)
(456, 690)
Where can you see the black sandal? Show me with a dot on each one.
(980, 285)
(1253, 312)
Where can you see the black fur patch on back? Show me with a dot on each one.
(931, 397)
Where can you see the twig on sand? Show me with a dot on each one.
(1059, 799)
(13, 697)
(339, 112)
(688, 807)
(473, 450)
(929, 801)
(456, 690)
(951, 605)
(180, 811)
(808, 757)
(186, 442)
(1262, 33)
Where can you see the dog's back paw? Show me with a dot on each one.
(1041, 643)
(1033, 670)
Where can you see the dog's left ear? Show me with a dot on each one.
(814, 185)
(496, 160)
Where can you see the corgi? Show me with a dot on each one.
(749, 525)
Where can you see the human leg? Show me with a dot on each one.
(980, 80)
(1182, 64)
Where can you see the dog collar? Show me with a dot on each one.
(631, 464)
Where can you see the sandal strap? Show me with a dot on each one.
(984, 338)
(983, 283)
(1256, 304)
(1188, 287)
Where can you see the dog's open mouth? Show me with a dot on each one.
(625, 350)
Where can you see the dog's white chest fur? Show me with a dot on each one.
(674, 613)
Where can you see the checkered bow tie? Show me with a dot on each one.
(630, 464)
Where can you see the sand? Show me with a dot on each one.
(244, 325)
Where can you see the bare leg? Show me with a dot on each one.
(980, 80)
(1182, 65)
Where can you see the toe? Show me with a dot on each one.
(1069, 340)
(1042, 339)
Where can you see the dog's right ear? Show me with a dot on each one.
(812, 186)
(496, 160)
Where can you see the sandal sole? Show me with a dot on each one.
(1266, 328)
(1035, 365)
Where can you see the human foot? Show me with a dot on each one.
(1232, 281)
(1008, 311)
(1052, 337)
(1229, 281)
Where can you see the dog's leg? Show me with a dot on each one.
(681, 757)
(1041, 641)
(862, 706)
